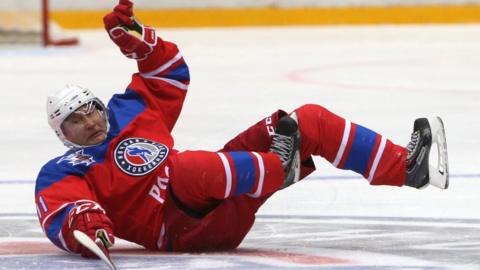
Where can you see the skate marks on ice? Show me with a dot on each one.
(277, 242)
(437, 241)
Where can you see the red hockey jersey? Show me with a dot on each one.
(126, 174)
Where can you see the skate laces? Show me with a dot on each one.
(413, 144)
(282, 146)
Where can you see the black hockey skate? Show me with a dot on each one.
(286, 144)
(420, 172)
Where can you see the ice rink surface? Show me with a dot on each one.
(380, 77)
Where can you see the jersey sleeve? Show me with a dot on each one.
(56, 193)
(163, 81)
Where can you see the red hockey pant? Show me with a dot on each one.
(215, 195)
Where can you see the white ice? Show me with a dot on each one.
(382, 77)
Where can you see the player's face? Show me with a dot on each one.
(86, 126)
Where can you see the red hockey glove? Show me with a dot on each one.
(134, 40)
(89, 218)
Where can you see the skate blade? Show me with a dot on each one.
(438, 162)
(297, 167)
(297, 160)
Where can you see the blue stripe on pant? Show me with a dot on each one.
(245, 172)
(361, 151)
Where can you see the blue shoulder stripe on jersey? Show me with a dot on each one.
(361, 151)
(179, 73)
(69, 164)
(123, 108)
(49, 174)
(245, 172)
(55, 226)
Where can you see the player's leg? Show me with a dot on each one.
(350, 146)
(201, 179)
(344, 144)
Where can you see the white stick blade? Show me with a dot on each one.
(87, 242)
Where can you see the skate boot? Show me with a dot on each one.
(420, 171)
(286, 144)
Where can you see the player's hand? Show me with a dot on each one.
(134, 40)
(89, 218)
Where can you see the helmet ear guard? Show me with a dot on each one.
(66, 101)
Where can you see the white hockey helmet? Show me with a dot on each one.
(64, 102)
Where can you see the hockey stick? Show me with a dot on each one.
(96, 247)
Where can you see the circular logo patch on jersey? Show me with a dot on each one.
(138, 156)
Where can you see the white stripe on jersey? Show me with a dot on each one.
(38, 212)
(378, 156)
(42, 203)
(164, 66)
(341, 150)
(228, 174)
(170, 81)
(62, 241)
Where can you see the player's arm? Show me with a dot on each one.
(67, 205)
(164, 76)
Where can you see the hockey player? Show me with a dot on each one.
(122, 176)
